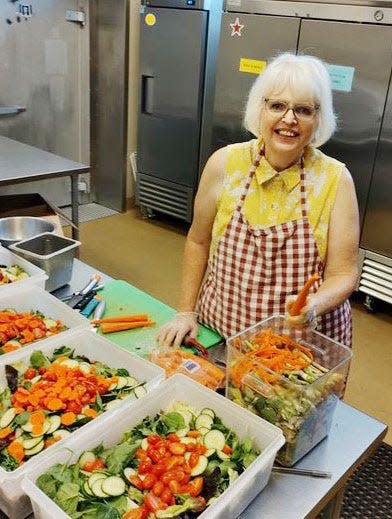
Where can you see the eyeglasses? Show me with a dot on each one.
(302, 111)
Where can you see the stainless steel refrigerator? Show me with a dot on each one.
(44, 83)
(178, 42)
(356, 41)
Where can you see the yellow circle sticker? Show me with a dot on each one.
(150, 19)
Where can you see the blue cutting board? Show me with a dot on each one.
(122, 298)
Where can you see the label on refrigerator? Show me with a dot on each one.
(252, 66)
(341, 77)
(150, 19)
(236, 27)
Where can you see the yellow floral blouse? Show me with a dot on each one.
(274, 197)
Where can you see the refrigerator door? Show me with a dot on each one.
(359, 105)
(377, 229)
(44, 67)
(247, 41)
(172, 47)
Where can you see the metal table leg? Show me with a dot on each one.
(75, 205)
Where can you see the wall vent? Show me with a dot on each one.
(376, 276)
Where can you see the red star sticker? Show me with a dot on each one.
(236, 27)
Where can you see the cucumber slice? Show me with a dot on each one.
(49, 323)
(7, 417)
(208, 411)
(113, 386)
(131, 505)
(187, 415)
(144, 444)
(140, 391)
(200, 467)
(95, 476)
(61, 433)
(35, 450)
(18, 432)
(85, 367)
(113, 486)
(86, 457)
(27, 427)
(128, 472)
(182, 432)
(209, 452)
(112, 404)
(204, 421)
(32, 442)
(122, 382)
(55, 422)
(87, 490)
(96, 488)
(187, 440)
(35, 379)
(203, 430)
(222, 455)
(132, 382)
(214, 439)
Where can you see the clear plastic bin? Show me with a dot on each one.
(178, 387)
(36, 277)
(35, 298)
(304, 410)
(12, 499)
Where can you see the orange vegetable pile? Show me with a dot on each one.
(123, 322)
(26, 327)
(179, 361)
(64, 389)
(279, 353)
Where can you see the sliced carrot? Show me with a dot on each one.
(193, 434)
(122, 319)
(16, 450)
(90, 413)
(68, 418)
(300, 302)
(118, 327)
(4, 433)
(55, 404)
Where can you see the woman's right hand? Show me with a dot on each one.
(181, 325)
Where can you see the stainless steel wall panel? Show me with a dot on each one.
(110, 102)
(377, 228)
(261, 37)
(359, 110)
(171, 93)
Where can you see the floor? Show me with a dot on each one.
(147, 254)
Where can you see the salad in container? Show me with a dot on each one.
(291, 377)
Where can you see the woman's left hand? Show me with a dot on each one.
(307, 315)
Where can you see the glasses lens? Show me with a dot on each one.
(301, 111)
(304, 111)
(277, 107)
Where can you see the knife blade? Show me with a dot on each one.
(78, 296)
(98, 312)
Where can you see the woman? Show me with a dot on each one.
(271, 212)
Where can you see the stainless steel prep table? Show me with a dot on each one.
(22, 163)
(353, 437)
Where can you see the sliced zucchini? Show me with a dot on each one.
(32, 442)
(87, 490)
(187, 440)
(209, 452)
(187, 415)
(144, 444)
(55, 422)
(132, 382)
(61, 433)
(200, 467)
(113, 386)
(204, 421)
(95, 476)
(71, 363)
(49, 323)
(86, 457)
(35, 379)
(85, 367)
(131, 505)
(128, 472)
(222, 455)
(203, 431)
(140, 391)
(214, 439)
(113, 486)
(122, 382)
(35, 450)
(27, 427)
(18, 432)
(182, 432)
(96, 488)
(209, 412)
(112, 404)
(7, 417)
(45, 428)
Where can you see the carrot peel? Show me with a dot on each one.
(300, 302)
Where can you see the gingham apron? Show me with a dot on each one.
(254, 270)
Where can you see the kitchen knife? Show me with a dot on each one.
(99, 311)
(78, 296)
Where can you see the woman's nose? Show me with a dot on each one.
(289, 117)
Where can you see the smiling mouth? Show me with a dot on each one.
(286, 133)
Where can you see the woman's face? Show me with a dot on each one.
(287, 134)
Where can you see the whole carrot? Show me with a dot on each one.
(300, 302)
(118, 327)
(122, 319)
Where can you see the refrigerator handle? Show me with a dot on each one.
(147, 94)
(11, 110)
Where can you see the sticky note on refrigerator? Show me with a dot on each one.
(252, 66)
(341, 77)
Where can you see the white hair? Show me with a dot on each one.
(303, 75)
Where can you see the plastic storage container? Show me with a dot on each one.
(303, 411)
(36, 275)
(12, 499)
(34, 298)
(231, 503)
(52, 253)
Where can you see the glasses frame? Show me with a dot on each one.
(292, 108)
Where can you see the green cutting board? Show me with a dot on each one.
(122, 298)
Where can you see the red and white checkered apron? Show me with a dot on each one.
(254, 270)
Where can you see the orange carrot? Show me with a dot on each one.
(193, 434)
(5, 432)
(122, 319)
(68, 418)
(55, 404)
(300, 302)
(16, 450)
(118, 327)
(90, 413)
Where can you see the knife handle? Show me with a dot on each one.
(99, 310)
(91, 284)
